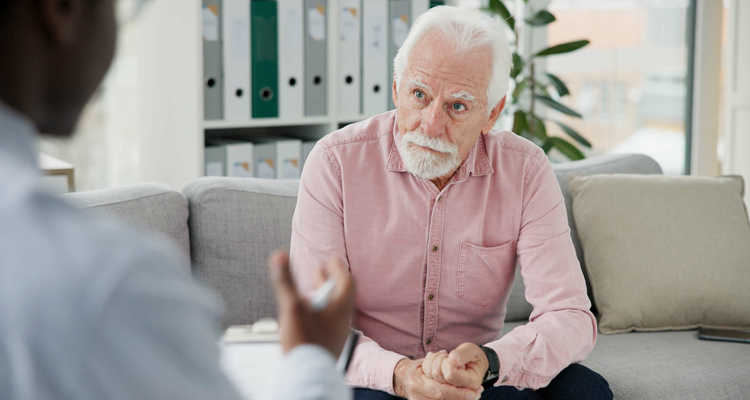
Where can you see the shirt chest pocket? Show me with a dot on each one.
(484, 272)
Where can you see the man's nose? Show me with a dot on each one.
(434, 119)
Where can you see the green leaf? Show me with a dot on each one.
(562, 48)
(540, 130)
(547, 146)
(518, 65)
(542, 88)
(559, 85)
(557, 106)
(519, 88)
(541, 18)
(520, 125)
(497, 7)
(575, 135)
(568, 149)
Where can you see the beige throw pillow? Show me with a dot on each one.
(665, 252)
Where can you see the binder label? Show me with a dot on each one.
(211, 23)
(349, 24)
(400, 30)
(214, 169)
(316, 21)
(266, 169)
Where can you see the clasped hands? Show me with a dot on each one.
(457, 375)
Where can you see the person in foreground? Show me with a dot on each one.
(92, 310)
(431, 208)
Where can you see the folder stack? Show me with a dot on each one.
(269, 58)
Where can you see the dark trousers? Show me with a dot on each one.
(575, 382)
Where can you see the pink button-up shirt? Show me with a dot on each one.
(434, 269)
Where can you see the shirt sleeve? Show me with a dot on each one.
(317, 235)
(309, 373)
(155, 336)
(561, 329)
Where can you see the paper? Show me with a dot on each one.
(316, 22)
(211, 23)
(349, 24)
(240, 40)
(290, 169)
(400, 30)
(376, 44)
(214, 169)
(266, 169)
(241, 170)
(252, 367)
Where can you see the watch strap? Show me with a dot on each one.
(493, 369)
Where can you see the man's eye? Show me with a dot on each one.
(458, 107)
(418, 94)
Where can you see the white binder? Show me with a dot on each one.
(418, 7)
(374, 56)
(239, 159)
(291, 58)
(350, 59)
(236, 35)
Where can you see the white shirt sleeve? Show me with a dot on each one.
(308, 372)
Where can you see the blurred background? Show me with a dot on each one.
(649, 67)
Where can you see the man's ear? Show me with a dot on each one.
(61, 20)
(395, 92)
(494, 115)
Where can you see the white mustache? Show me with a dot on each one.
(431, 143)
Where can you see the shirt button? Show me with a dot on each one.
(440, 198)
(505, 379)
(431, 296)
(429, 342)
(434, 249)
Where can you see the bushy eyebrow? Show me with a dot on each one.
(464, 95)
(420, 84)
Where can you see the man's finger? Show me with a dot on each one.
(320, 276)
(436, 372)
(459, 377)
(465, 354)
(436, 390)
(282, 278)
(427, 364)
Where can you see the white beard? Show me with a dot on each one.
(426, 164)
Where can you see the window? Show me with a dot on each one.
(634, 72)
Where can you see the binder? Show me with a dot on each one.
(418, 7)
(306, 149)
(212, 61)
(236, 40)
(215, 160)
(265, 53)
(399, 23)
(374, 56)
(291, 40)
(316, 53)
(350, 59)
(264, 155)
(277, 158)
(239, 159)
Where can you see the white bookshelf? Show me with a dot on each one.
(157, 94)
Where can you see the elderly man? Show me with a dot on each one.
(432, 208)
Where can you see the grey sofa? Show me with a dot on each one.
(227, 227)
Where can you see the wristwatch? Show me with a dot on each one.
(493, 372)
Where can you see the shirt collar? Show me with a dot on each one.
(477, 163)
(17, 136)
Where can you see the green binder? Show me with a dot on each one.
(265, 58)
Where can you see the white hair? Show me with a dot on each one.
(467, 29)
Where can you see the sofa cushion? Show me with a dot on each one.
(665, 252)
(669, 366)
(235, 224)
(518, 307)
(152, 207)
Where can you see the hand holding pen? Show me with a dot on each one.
(324, 319)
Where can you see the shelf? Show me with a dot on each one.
(267, 122)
